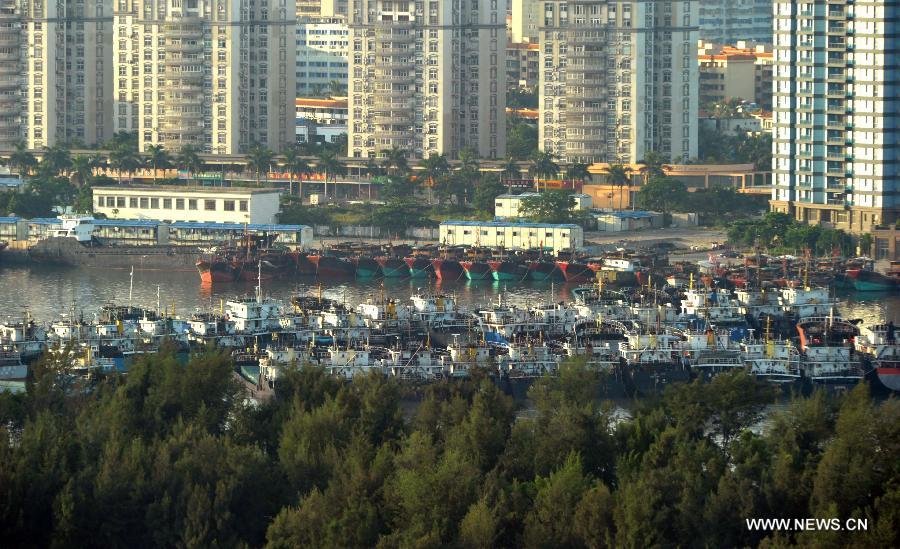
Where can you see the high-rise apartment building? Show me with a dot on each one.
(217, 75)
(727, 21)
(525, 20)
(68, 90)
(837, 113)
(428, 77)
(618, 80)
(742, 71)
(322, 48)
(11, 78)
(321, 8)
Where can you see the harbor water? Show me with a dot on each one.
(48, 292)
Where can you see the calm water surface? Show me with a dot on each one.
(48, 292)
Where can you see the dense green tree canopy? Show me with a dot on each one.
(174, 455)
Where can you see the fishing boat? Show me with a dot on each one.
(216, 270)
(447, 269)
(11, 366)
(512, 270)
(419, 267)
(544, 270)
(476, 269)
(828, 357)
(879, 343)
(871, 281)
(331, 266)
(393, 267)
(575, 271)
(775, 361)
(365, 267)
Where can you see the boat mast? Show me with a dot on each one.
(130, 288)
(259, 282)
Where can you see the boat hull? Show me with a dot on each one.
(393, 267)
(512, 271)
(574, 271)
(330, 266)
(215, 272)
(419, 267)
(542, 271)
(447, 269)
(889, 376)
(366, 267)
(476, 270)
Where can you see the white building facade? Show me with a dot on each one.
(836, 113)
(510, 205)
(194, 204)
(618, 80)
(512, 235)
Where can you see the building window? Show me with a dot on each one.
(154, 203)
(192, 204)
(243, 205)
(132, 202)
(120, 201)
(228, 205)
(179, 203)
(145, 202)
(167, 203)
(209, 205)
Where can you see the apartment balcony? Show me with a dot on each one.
(394, 78)
(394, 134)
(585, 110)
(9, 40)
(394, 117)
(184, 46)
(836, 108)
(9, 67)
(393, 51)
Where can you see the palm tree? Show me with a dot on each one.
(124, 160)
(297, 166)
(336, 88)
(511, 171)
(158, 158)
(578, 172)
(654, 165)
(433, 168)
(372, 167)
(21, 159)
(189, 160)
(259, 159)
(82, 169)
(468, 160)
(56, 161)
(329, 165)
(395, 160)
(543, 165)
(618, 175)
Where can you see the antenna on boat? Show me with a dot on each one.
(130, 288)
(157, 300)
(259, 282)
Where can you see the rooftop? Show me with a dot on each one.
(333, 103)
(510, 224)
(186, 189)
(156, 223)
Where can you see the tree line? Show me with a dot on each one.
(779, 232)
(173, 454)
